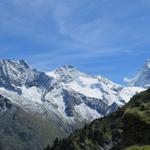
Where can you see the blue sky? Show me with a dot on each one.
(107, 37)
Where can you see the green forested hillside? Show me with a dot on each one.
(126, 129)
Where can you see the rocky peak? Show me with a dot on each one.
(142, 78)
(24, 63)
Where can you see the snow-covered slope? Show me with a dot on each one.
(93, 87)
(142, 78)
(66, 95)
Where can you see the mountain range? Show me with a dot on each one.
(36, 107)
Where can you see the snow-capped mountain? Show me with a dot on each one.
(99, 90)
(67, 92)
(66, 97)
(142, 78)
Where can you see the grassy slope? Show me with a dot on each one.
(145, 147)
(126, 127)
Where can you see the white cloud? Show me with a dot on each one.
(125, 79)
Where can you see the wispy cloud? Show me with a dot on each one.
(95, 30)
(86, 25)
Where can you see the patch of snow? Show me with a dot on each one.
(128, 92)
(85, 90)
(33, 94)
(86, 112)
(87, 81)
(24, 103)
(52, 74)
(56, 99)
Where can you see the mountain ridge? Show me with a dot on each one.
(20, 79)
(66, 97)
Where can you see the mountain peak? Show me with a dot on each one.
(67, 67)
(148, 63)
(66, 72)
(24, 63)
(13, 73)
(6, 61)
(142, 78)
(10, 62)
